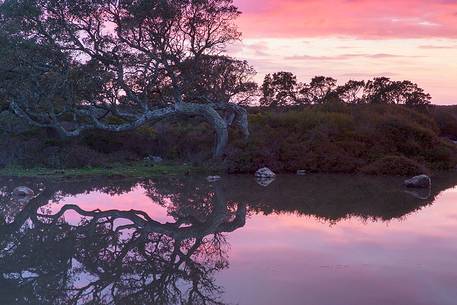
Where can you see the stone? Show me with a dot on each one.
(422, 194)
(264, 181)
(41, 186)
(265, 172)
(301, 172)
(154, 159)
(23, 191)
(213, 178)
(422, 181)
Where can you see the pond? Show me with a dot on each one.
(317, 240)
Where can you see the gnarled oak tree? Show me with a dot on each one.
(119, 64)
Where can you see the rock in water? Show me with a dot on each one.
(213, 178)
(264, 181)
(265, 173)
(422, 181)
(422, 194)
(23, 191)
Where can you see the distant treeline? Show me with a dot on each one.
(282, 89)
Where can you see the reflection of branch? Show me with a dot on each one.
(139, 218)
(143, 262)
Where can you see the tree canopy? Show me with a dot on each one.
(279, 89)
(116, 65)
(282, 89)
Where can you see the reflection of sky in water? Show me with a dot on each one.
(136, 200)
(409, 261)
(287, 259)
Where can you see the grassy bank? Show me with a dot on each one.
(133, 170)
(367, 139)
(331, 138)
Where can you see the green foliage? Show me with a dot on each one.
(333, 137)
(345, 139)
(446, 118)
(135, 169)
(279, 89)
(395, 166)
(282, 89)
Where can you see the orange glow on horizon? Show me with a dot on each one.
(411, 39)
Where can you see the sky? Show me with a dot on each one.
(354, 39)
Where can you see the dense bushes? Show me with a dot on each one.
(29, 147)
(394, 165)
(370, 139)
(189, 140)
(446, 118)
(346, 139)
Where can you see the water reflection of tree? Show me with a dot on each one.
(126, 257)
(328, 197)
(333, 198)
(324, 196)
(114, 257)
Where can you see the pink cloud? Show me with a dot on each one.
(355, 18)
(346, 57)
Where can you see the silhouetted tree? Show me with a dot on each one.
(319, 89)
(412, 94)
(116, 65)
(382, 90)
(279, 89)
(351, 92)
(220, 78)
(282, 89)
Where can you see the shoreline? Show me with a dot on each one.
(145, 170)
(130, 170)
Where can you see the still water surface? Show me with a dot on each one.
(317, 240)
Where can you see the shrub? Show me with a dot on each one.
(324, 138)
(395, 166)
(446, 119)
(77, 156)
(341, 139)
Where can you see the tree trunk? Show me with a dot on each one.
(214, 119)
(208, 111)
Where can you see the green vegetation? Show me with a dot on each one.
(134, 170)
(107, 98)
(372, 139)
(397, 165)
(283, 89)
(78, 66)
(329, 138)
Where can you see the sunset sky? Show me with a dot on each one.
(354, 39)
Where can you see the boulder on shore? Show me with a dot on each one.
(23, 191)
(154, 159)
(422, 181)
(265, 172)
